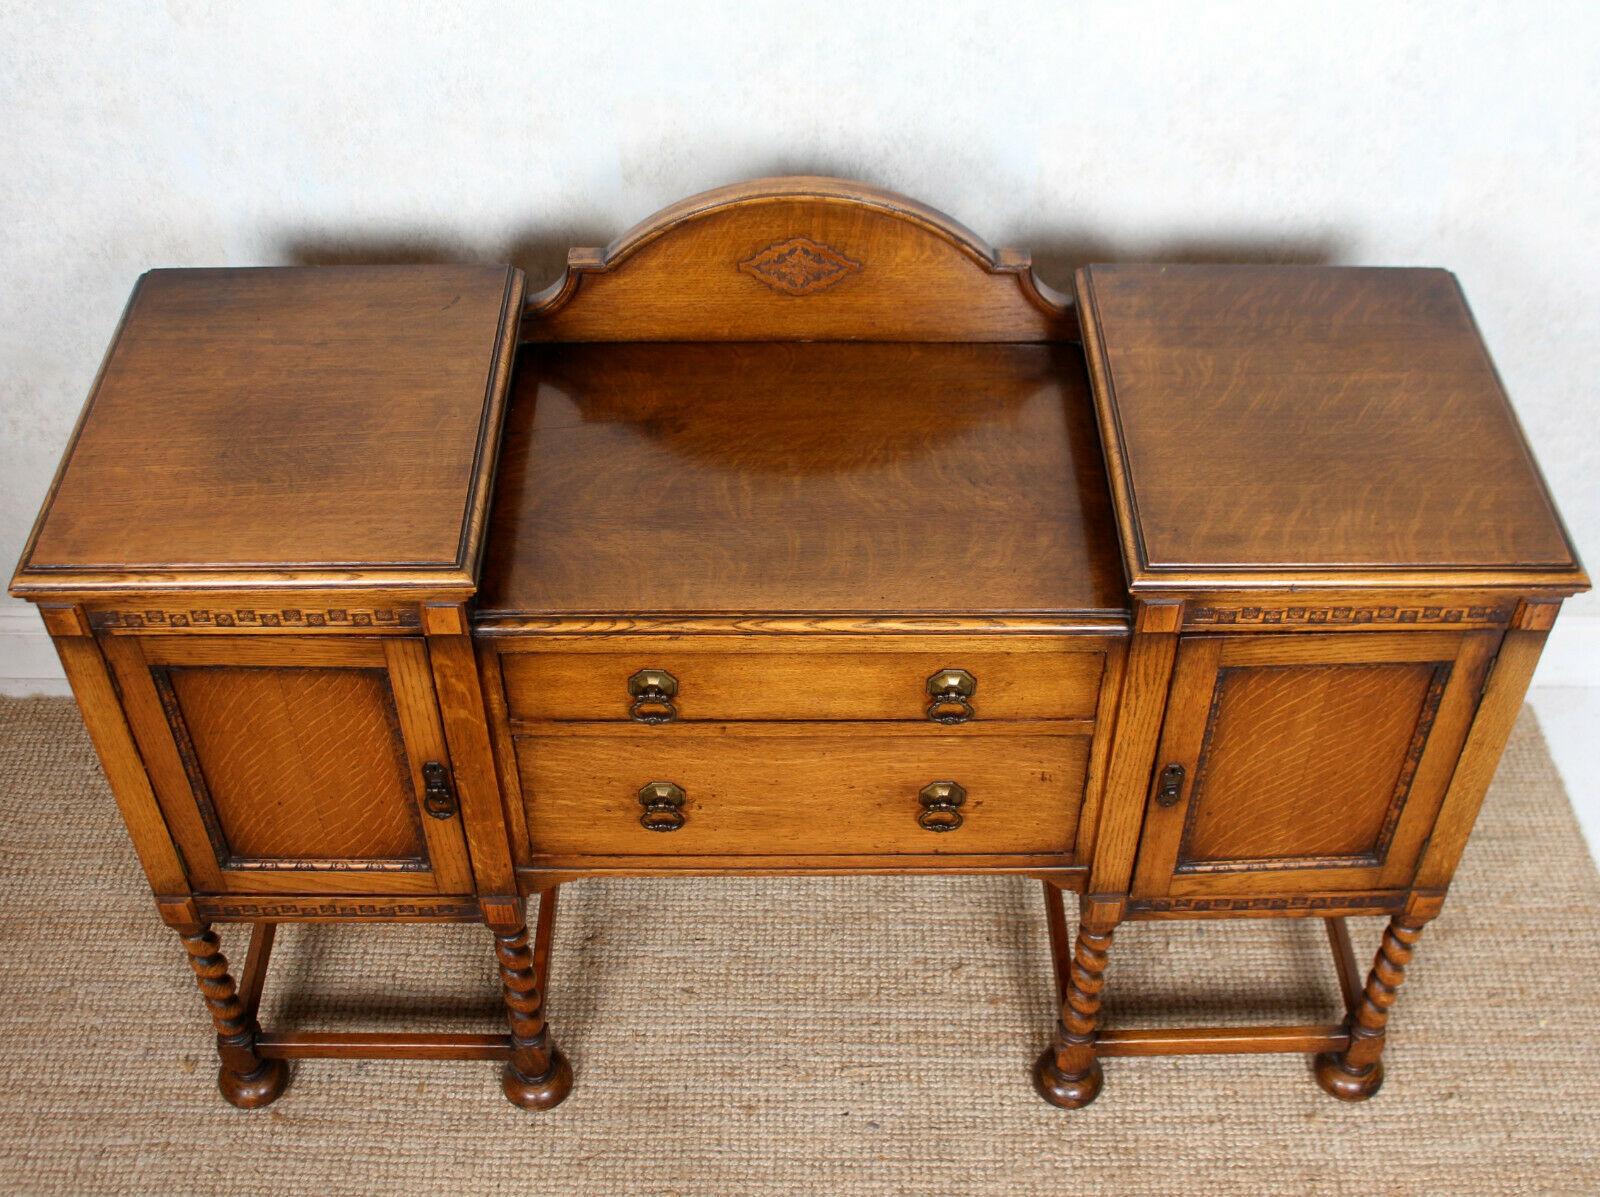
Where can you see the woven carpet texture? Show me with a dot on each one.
(789, 1036)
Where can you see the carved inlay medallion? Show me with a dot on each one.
(799, 266)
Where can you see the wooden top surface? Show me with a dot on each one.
(809, 479)
(1296, 425)
(286, 426)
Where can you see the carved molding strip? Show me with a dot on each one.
(451, 909)
(1338, 616)
(1281, 902)
(799, 266)
(295, 618)
(278, 864)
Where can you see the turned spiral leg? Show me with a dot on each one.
(246, 1080)
(1068, 1074)
(1356, 1073)
(537, 1076)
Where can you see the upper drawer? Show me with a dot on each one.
(1030, 679)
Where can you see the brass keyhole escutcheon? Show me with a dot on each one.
(653, 691)
(940, 801)
(663, 806)
(438, 796)
(1169, 788)
(951, 691)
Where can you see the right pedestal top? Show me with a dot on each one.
(1317, 426)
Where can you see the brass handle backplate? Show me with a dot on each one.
(939, 801)
(663, 806)
(438, 797)
(653, 691)
(1169, 787)
(951, 691)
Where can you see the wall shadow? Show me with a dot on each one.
(1056, 256)
(542, 253)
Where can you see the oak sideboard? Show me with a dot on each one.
(798, 531)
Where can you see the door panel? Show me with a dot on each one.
(1308, 762)
(281, 769)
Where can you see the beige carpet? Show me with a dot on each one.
(788, 1036)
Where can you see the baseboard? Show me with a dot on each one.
(28, 663)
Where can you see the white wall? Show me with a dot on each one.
(1450, 134)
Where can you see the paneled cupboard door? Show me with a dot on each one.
(303, 765)
(1306, 762)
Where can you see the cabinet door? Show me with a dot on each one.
(1304, 762)
(297, 764)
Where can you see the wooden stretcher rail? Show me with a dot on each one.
(383, 1045)
(1205, 1041)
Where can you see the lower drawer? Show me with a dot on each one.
(759, 791)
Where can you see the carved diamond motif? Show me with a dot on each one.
(799, 266)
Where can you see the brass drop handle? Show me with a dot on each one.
(438, 796)
(663, 806)
(940, 801)
(1169, 786)
(653, 691)
(952, 691)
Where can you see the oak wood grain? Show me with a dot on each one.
(1491, 727)
(275, 777)
(811, 479)
(299, 763)
(332, 422)
(1343, 732)
(798, 258)
(1323, 760)
(806, 685)
(113, 741)
(1330, 424)
(828, 792)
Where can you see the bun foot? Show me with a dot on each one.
(542, 1093)
(260, 1088)
(1068, 1092)
(1344, 1084)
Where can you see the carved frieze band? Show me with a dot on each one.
(1340, 616)
(276, 864)
(1286, 903)
(799, 266)
(296, 618)
(450, 909)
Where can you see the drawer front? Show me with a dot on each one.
(1058, 680)
(791, 791)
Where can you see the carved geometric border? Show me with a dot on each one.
(1346, 615)
(338, 618)
(1279, 903)
(245, 908)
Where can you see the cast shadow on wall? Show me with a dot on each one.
(541, 253)
(542, 257)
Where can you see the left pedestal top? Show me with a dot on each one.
(286, 427)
